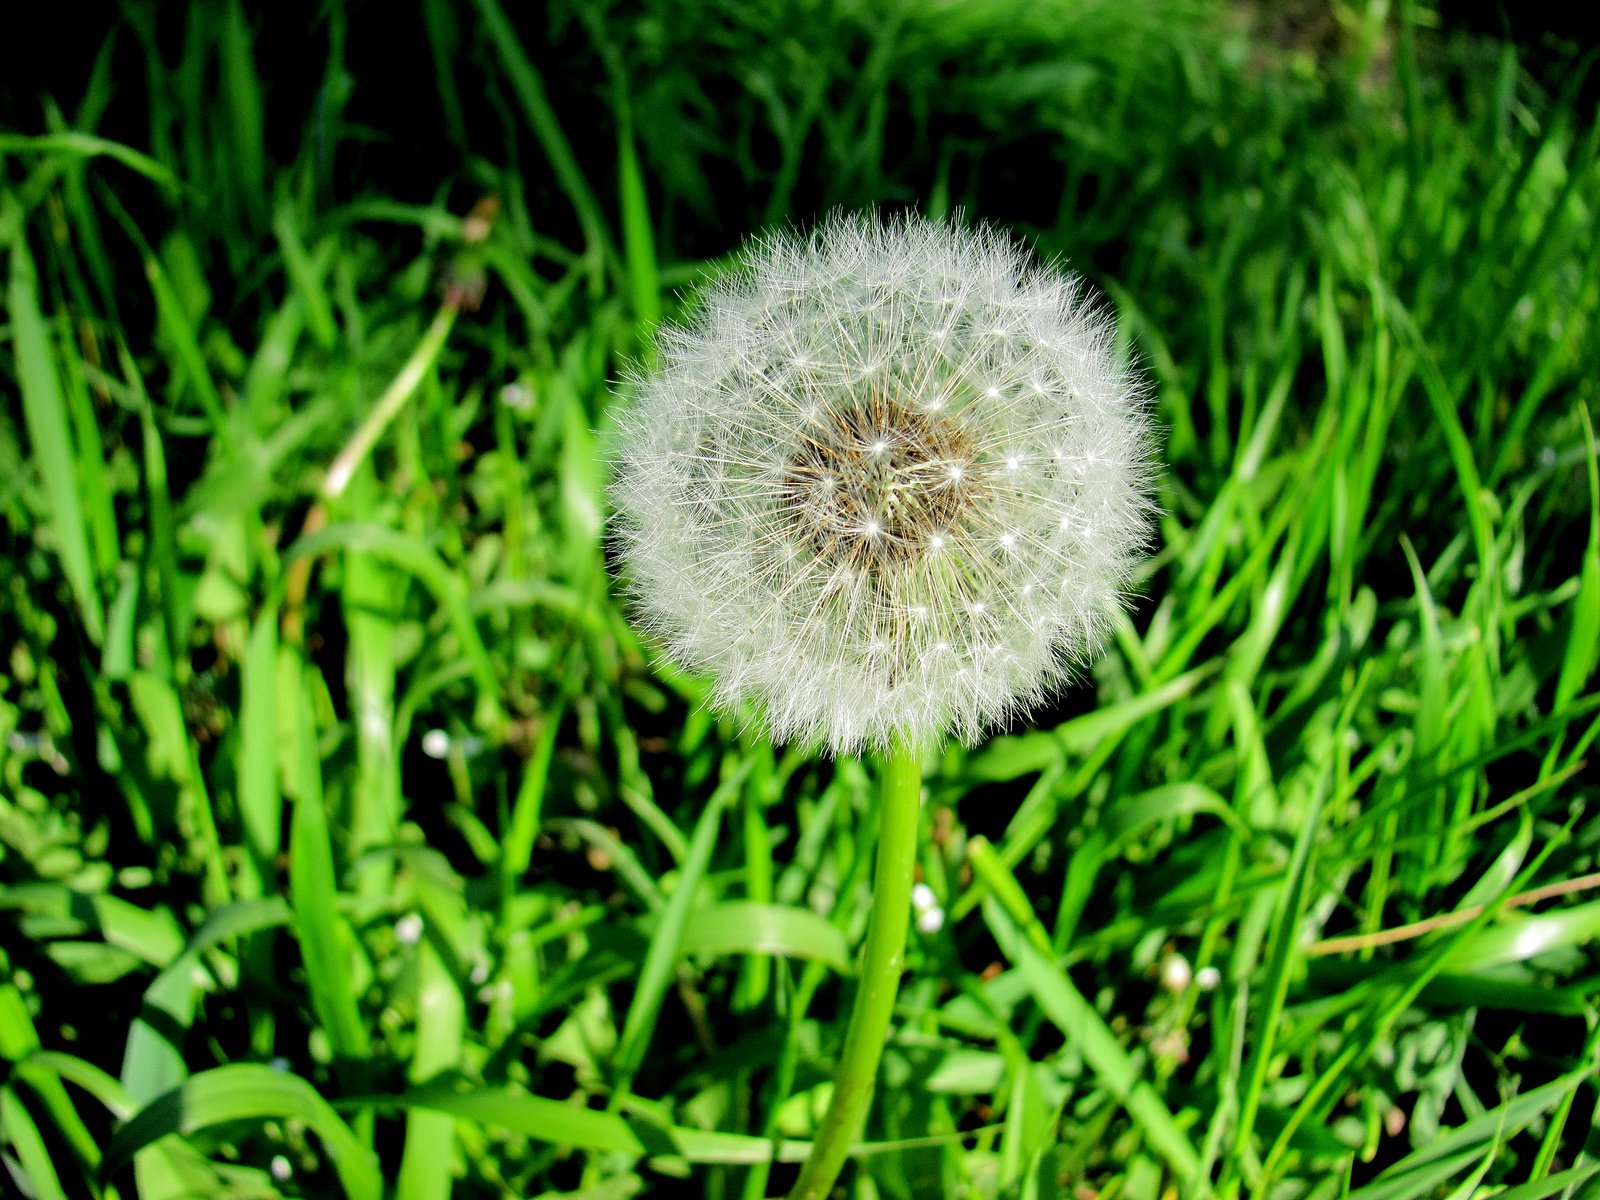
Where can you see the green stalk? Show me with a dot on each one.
(881, 964)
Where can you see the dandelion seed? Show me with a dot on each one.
(823, 477)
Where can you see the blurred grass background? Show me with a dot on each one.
(350, 843)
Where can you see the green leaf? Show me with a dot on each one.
(1563, 1182)
(1419, 1173)
(153, 937)
(259, 799)
(44, 409)
(18, 1131)
(429, 1156)
(560, 1123)
(1518, 937)
(86, 145)
(661, 960)
(745, 927)
(250, 1092)
(326, 940)
(448, 588)
(153, 1061)
(1010, 757)
(1008, 914)
(1136, 813)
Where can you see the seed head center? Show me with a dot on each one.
(876, 485)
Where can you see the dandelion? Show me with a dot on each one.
(890, 483)
(888, 487)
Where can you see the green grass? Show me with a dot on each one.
(360, 772)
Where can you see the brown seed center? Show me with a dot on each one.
(877, 485)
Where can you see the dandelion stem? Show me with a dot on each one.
(881, 964)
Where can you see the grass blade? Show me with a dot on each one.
(249, 1092)
(49, 430)
(661, 961)
(326, 940)
(1012, 921)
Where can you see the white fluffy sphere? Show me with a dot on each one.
(890, 483)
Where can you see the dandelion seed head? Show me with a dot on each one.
(820, 500)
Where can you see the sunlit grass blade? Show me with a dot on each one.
(87, 145)
(563, 1124)
(21, 1136)
(327, 944)
(241, 89)
(426, 1166)
(1455, 1152)
(49, 430)
(529, 90)
(661, 961)
(1010, 917)
(447, 588)
(638, 231)
(247, 1092)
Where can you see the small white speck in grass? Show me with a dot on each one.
(495, 993)
(929, 916)
(436, 743)
(280, 1169)
(408, 929)
(517, 397)
(1207, 979)
(1176, 974)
